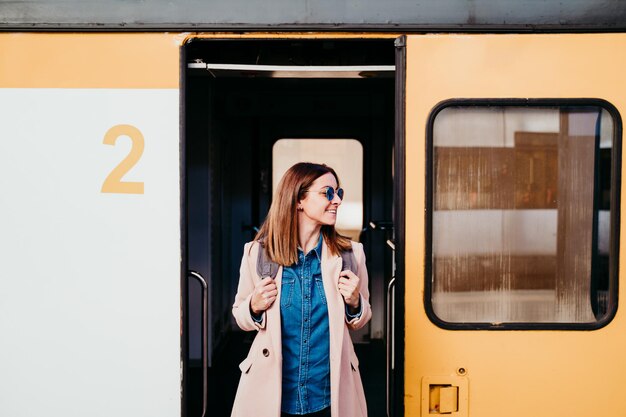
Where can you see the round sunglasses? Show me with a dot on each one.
(329, 192)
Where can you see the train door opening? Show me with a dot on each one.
(251, 109)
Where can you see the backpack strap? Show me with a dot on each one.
(265, 267)
(348, 261)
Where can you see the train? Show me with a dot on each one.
(479, 144)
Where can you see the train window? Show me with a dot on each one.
(523, 214)
(345, 156)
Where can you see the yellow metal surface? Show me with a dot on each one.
(513, 373)
(90, 60)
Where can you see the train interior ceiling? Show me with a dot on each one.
(252, 109)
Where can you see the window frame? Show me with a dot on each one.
(612, 304)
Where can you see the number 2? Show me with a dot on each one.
(113, 182)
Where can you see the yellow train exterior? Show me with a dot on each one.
(90, 295)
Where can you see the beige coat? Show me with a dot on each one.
(259, 391)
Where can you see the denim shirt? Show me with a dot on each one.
(305, 335)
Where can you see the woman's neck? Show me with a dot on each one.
(308, 235)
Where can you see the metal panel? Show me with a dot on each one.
(90, 297)
(89, 281)
(604, 15)
(505, 368)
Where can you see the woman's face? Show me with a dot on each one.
(315, 204)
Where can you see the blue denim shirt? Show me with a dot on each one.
(305, 335)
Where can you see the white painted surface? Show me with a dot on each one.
(496, 126)
(491, 126)
(503, 306)
(89, 282)
(474, 232)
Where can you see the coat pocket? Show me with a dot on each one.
(354, 361)
(245, 365)
(359, 393)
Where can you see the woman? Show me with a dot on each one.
(302, 361)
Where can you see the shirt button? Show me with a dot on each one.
(304, 340)
(266, 353)
(305, 320)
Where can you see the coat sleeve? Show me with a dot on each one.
(366, 310)
(247, 281)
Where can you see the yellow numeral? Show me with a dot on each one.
(113, 183)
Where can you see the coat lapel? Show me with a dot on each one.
(331, 267)
(273, 317)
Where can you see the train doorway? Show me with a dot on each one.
(251, 108)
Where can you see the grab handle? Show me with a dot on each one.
(391, 301)
(205, 312)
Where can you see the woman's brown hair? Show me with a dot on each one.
(279, 231)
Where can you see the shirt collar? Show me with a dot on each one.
(318, 248)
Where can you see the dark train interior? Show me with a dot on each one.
(233, 119)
